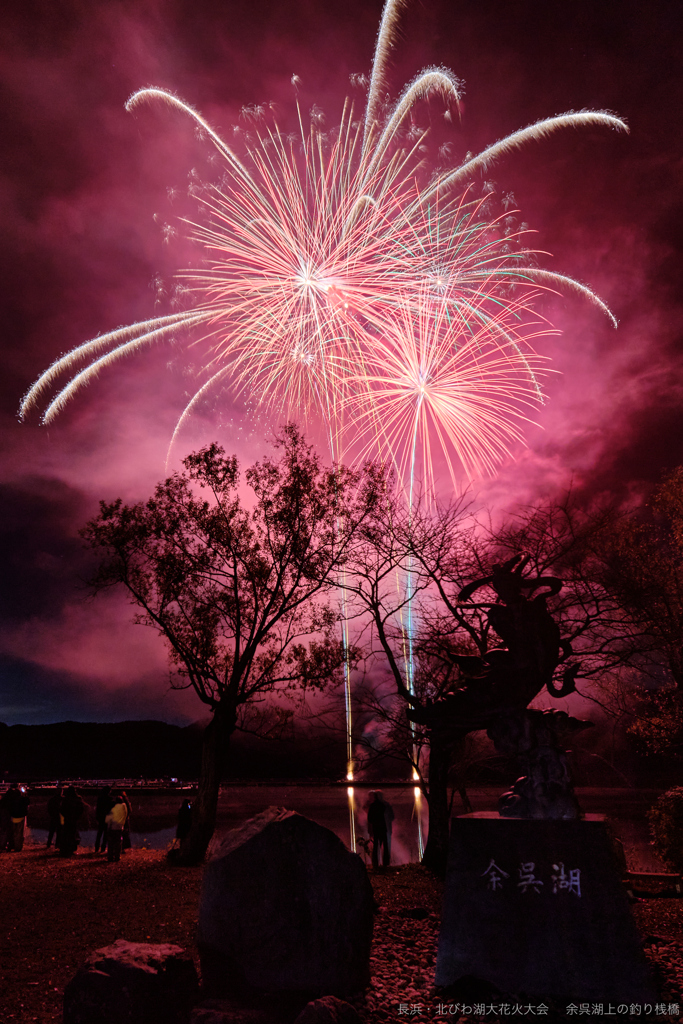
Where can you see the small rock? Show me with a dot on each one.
(328, 1010)
(133, 983)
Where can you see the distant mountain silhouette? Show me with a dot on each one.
(89, 750)
(157, 750)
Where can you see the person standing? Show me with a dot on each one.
(54, 813)
(377, 827)
(389, 821)
(102, 808)
(184, 820)
(17, 805)
(125, 833)
(5, 821)
(72, 811)
(116, 819)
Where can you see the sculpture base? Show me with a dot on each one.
(537, 909)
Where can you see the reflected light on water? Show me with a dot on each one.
(418, 817)
(352, 820)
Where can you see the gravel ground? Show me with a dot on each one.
(57, 911)
(403, 954)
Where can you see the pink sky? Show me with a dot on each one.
(84, 197)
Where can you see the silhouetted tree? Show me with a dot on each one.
(604, 640)
(642, 566)
(237, 591)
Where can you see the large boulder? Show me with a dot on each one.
(284, 908)
(133, 983)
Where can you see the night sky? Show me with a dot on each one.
(87, 190)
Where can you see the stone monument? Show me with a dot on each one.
(537, 910)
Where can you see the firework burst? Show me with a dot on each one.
(343, 279)
(433, 379)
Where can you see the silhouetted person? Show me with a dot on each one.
(389, 821)
(5, 821)
(72, 812)
(116, 819)
(54, 813)
(184, 820)
(377, 827)
(102, 808)
(125, 833)
(17, 805)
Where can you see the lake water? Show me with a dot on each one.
(155, 811)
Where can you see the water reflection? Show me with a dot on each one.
(352, 819)
(418, 818)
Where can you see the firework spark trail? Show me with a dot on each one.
(149, 330)
(152, 93)
(386, 36)
(533, 132)
(428, 82)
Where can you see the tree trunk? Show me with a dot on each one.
(440, 758)
(436, 851)
(214, 755)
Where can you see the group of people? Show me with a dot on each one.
(380, 825)
(65, 810)
(112, 814)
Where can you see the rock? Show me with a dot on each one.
(284, 908)
(133, 983)
(328, 1010)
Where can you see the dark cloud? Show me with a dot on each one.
(42, 556)
(34, 695)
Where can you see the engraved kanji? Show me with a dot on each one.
(495, 876)
(564, 881)
(527, 878)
